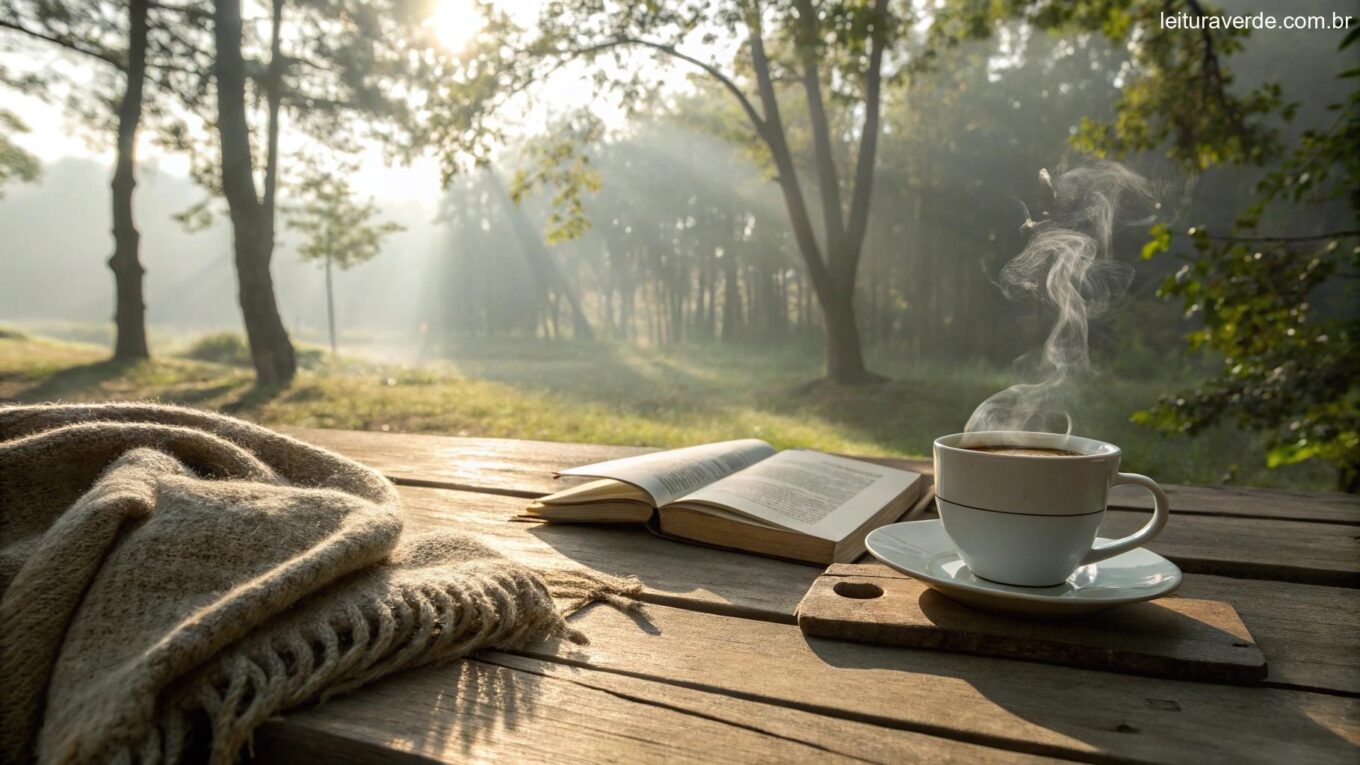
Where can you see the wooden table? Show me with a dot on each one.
(714, 669)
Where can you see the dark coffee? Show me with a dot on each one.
(1023, 451)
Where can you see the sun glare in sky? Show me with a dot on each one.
(455, 22)
(55, 134)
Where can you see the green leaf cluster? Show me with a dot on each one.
(1280, 311)
(561, 163)
(15, 163)
(1175, 93)
(335, 226)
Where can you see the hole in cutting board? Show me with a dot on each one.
(857, 590)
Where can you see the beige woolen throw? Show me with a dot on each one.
(171, 578)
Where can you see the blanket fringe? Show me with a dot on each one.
(416, 625)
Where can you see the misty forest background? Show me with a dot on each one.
(673, 306)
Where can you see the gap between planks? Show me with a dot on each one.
(524, 468)
(498, 706)
(524, 662)
(530, 494)
(1289, 550)
(934, 731)
(1020, 706)
(1307, 632)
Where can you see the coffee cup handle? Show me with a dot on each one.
(1161, 510)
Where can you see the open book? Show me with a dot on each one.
(800, 505)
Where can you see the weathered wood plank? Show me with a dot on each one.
(1309, 634)
(1292, 551)
(1037, 708)
(1246, 502)
(515, 709)
(1179, 638)
(1251, 548)
(496, 465)
(1313, 553)
(681, 574)
(524, 468)
(1305, 631)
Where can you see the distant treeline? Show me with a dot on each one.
(689, 241)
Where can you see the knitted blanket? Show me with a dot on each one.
(169, 579)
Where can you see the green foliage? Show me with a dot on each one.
(15, 163)
(1175, 93)
(1159, 241)
(96, 36)
(336, 226)
(196, 217)
(623, 46)
(346, 72)
(562, 165)
(1280, 311)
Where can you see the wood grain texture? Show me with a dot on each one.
(524, 468)
(495, 465)
(761, 588)
(673, 572)
(1180, 638)
(709, 686)
(521, 468)
(1020, 706)
(1250, 548)
(505, 708)
(1309, 635)
(1246, 502)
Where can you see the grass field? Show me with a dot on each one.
(615, 394)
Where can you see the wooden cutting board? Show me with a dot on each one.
(1170, 637)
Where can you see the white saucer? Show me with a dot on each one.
(922, 550)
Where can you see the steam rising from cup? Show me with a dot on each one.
(1068, 265)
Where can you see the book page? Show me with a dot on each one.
(810, 492)
(674, 473)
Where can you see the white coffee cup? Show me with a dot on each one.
(1032, 520)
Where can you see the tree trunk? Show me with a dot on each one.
(845, 360)
(270, 349)
(833, 279)
(129, 305)
(330, 303)
(731, 312)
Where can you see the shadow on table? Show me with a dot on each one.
(488, 702)
(1176, 638)
(1096, 707)
(443, 713)
(689, 576)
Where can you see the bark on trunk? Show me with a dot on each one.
(270, 349)
(129, 304)
(844, 356)
(833, 279)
